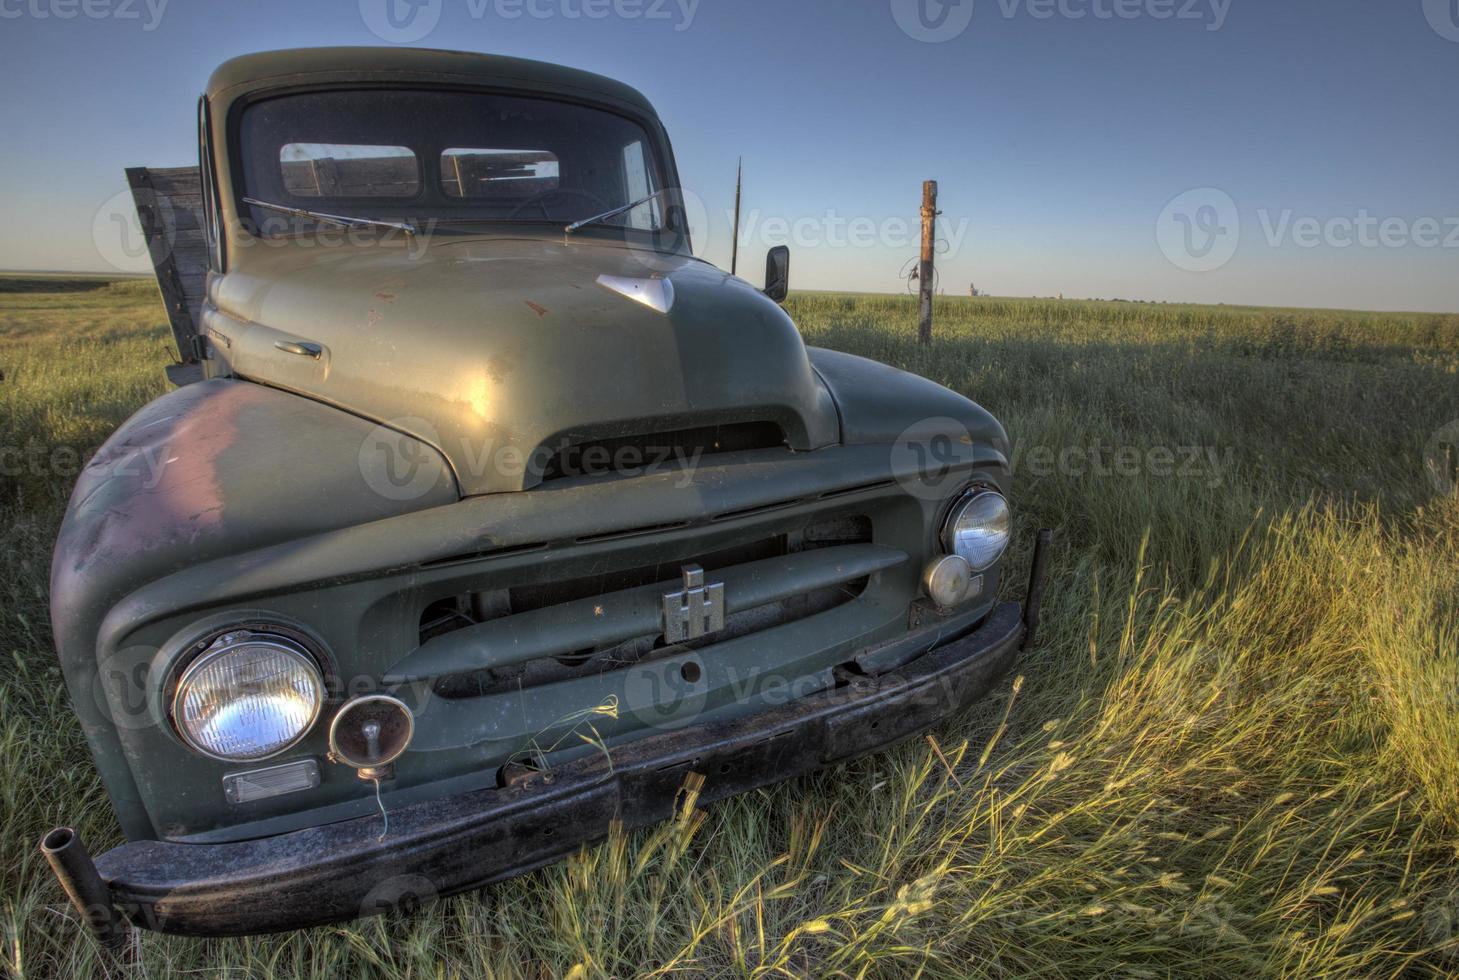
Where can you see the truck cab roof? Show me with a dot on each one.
(314, 66)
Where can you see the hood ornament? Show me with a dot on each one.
(656, 294)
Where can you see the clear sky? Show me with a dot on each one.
(1293, 152)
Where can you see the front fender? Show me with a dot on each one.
(211, 470)
(880, 404)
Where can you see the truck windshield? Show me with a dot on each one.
(455, 157)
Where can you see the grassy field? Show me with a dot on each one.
(1235, 752)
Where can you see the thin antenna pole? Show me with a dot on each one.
(739, 187)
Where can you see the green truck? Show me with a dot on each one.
(491, 515)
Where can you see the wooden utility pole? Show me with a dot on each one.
(735, 248)
(926, 271)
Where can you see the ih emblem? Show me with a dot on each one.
(696, 611)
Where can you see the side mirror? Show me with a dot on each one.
(777, 273)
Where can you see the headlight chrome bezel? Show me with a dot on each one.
(221, 643)
(947, 536)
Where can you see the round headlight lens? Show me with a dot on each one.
(979, 528)
(249, 696)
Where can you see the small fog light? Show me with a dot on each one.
(370, 733)
(948, 580)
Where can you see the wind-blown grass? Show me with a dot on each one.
(1235, 752)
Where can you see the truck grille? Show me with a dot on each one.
(822, 555)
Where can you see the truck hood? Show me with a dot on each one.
(501, 352)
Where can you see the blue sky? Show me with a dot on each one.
(1301, 152)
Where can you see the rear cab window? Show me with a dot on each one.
(348, 170)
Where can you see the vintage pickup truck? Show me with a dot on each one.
(493, 516)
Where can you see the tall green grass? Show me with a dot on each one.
(1235, 752)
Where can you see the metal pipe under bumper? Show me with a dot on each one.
(1036, 588)
(77, 873)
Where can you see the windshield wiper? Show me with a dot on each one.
(344, 221)
(611, 214)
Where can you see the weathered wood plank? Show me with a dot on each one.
(169, 204)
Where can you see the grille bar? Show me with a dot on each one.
(621, 616)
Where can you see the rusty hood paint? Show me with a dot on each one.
(498, 351)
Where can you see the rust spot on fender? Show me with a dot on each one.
(390, 289)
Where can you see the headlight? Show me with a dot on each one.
(979, 528)
(249, 696)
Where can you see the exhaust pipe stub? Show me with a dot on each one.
(74, 869)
